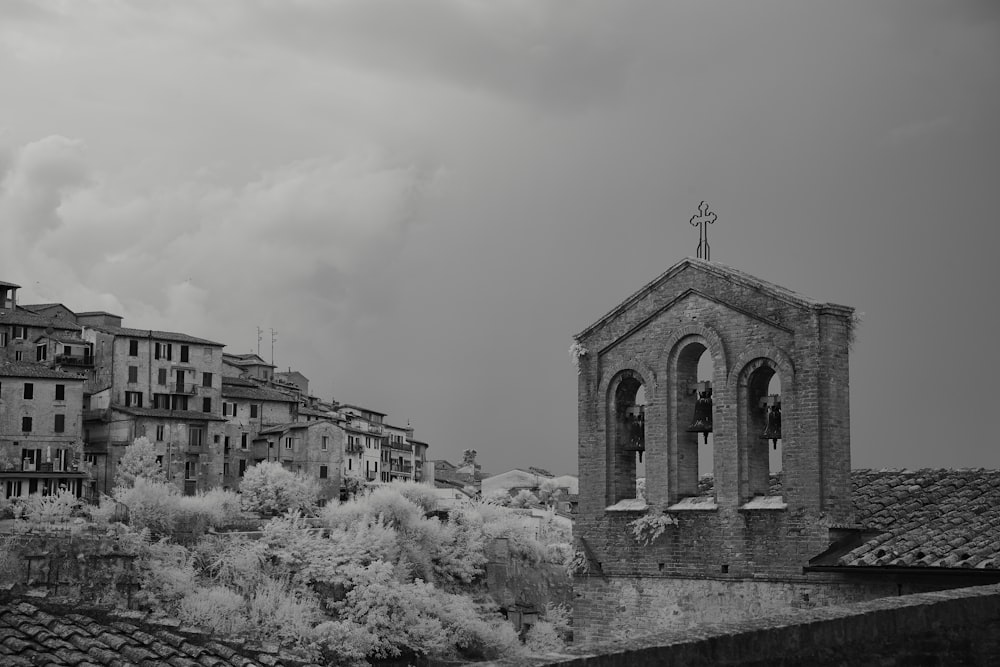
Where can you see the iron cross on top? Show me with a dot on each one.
(704, 216)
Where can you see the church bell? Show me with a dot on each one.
(635, 421)
(772, 419)
(702, 422)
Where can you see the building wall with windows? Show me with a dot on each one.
(247, 408)
(40, 430)
(314, 449)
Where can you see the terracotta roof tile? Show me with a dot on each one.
(927, 518)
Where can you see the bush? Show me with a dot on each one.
(152, 505)
(216, 507)
(139, 461)
(50, 509)
(216, 609)
(271, 490)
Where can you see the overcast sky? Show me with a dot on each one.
(428, 199)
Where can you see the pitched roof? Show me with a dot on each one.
(152, 333)
(4, 283)
(27, 369)
(254, 393)
(927, 518)
(36, 637)
(163, 413)
(721, 271)
(280, 428)
(27, 318)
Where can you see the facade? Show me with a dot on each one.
(247, 408)
(41, 446)
(20, 327)
(315, 449)
(163, 385)
(781, 522)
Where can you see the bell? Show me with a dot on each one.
(702, 422)
(635, 420)
(772, 419)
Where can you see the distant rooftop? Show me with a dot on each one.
(151, 333)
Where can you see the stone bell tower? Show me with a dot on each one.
(733, 543)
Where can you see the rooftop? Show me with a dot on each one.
(254, 393)
(163, 413)
(27, 369)
(36, 637)
(942, 518)
(151, 333)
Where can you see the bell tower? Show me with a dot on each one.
(746, 470)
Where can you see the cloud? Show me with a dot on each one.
(206, 258)
(917, 129)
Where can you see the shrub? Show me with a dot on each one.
(152, 505)
(53, 508)
(139, 460)
(216, 609)
(216, 507)
(270, 489)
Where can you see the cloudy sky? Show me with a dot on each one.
(428, 199)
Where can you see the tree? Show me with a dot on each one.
(549, 491)
(270, 489)
(139, 460)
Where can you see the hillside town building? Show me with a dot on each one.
(209, 414)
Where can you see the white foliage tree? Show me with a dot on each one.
(270, 489)
(139, 460)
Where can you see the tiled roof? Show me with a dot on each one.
(163, 413)
(927, 518)
(4, 283)
(28, 319)
(314, 412)
(30, 636)
(162, 335)
(254, 393)
(27, 369)
(238, 382)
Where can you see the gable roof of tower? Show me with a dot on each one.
(721, 271)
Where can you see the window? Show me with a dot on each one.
(325, 444)
(190, 468)
(184, 354)
(60, 392)
(133, 399)
(206, 404)
(322, 472)
(225, 468)
(243, 441)
(225, 443)
(3, 339)
(178, 402)
(133, 373)
(161, 401)
(60, 425)
(206, 379)
(169, 349)
(19, 356)
(29, 390)
(41, 352)
(26, 424)
(133, 348)
(349, 463)
(161, 376)
(253, 411)
(288, 443)
(196, 436)
(243, 467)
(90, 458)
(20, 332)
(159, 432)
(156, 350)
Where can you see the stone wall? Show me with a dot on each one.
(612, 608)
(956, 627)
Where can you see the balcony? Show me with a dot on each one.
(377, 429)
(183, 388)
(80, 361)
(401, 467)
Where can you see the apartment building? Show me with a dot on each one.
(164, 385)
(247, 408)
(315, 449)
(40, 430)
(20, 327)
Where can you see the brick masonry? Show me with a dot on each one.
(751, 329)
(956, 627)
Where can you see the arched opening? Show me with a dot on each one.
(761, 441)
(627, 438)
(694, 416)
